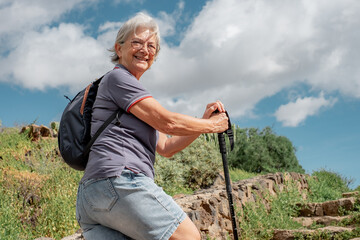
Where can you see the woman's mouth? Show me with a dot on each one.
(141, 58)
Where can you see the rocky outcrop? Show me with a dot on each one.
(328, 214)
(329, 208)
(291, 234)
(34, 132)
(209, 209)
(324, 220)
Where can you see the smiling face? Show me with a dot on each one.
(137, 54)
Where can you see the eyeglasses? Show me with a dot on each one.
(137, 45)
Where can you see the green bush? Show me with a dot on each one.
(327, 185)
(195, 167)
(169, 175)
(263, 152)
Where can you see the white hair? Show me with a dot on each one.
(129, 27)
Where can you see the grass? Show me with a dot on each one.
(239, 174)
(260, 218)
(38, 191)
(326, 185)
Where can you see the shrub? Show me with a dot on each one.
(326, 185)
(263, 152)
(195, 167)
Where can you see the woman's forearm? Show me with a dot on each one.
(183, 125)
(151, 112)
(168, 146)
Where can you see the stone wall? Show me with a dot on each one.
(209, 209)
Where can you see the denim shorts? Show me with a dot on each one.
(131, 206)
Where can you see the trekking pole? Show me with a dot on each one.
(222, 145)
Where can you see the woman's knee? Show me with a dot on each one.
(186, 230)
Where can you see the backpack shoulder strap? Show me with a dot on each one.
(116, 115)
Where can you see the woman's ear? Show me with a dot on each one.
(118, 49)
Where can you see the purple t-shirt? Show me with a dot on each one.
(131, 145)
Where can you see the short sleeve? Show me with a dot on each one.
(124, 89)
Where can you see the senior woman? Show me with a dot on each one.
(117, 197)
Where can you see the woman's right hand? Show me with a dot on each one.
(213, 107)
(220, 122)
(215, 112)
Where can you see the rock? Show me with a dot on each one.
(333, 208)
(335, 229)
(35, 132)
(209, 208)
(323, 220)
(351, 194)
(307, 210)
(304, 221)
(290, 234)
(329, 208)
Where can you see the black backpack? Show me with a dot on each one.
(74, 137)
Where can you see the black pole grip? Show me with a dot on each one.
(222, 143)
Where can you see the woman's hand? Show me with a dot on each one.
(220, 122)
(219, 119)
(212, 107)
(167, 147)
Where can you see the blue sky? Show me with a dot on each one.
(291, 65)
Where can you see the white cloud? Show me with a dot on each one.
(295, 113)
(21, 16)
(53, 57)
(37, 56)
(167, 22)
(107, 33)
(244, 51)
(237, 51)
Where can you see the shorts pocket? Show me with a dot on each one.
(100, 195)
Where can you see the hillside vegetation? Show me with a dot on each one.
(38, 190)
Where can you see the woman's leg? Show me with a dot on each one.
(186, 231)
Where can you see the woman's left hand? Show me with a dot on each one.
(212, 107)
